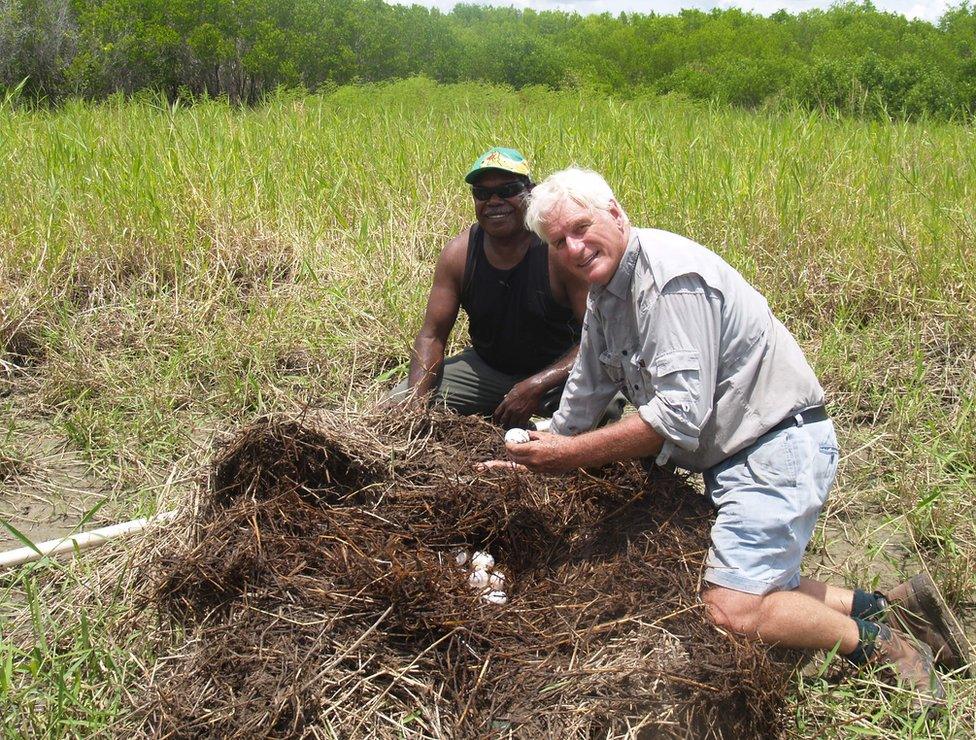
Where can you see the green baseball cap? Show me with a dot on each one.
(498, 158)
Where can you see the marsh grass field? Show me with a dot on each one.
(169, 273)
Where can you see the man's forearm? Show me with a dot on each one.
(426, 361)
(555, 374)
(551, 453)
(629, 438)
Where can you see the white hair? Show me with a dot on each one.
(586, 188)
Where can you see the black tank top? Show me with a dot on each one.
(516, 325)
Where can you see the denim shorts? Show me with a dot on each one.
(768, 497)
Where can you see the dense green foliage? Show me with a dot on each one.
(851, 58)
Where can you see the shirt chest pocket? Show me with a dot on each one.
(675, 377)
(628, 373)
(613, 366)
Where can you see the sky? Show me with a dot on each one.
(929, 11)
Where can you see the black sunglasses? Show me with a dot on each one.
(508, 190)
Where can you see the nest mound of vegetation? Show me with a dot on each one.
(320, 596)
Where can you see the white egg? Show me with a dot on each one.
(516, 436)
(496, 580)
(461, 557)
(482, 561)
(495, 597)
(478, 579)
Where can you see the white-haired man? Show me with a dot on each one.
(721, 387)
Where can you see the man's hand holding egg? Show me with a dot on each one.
(544, 452)
(538, 451)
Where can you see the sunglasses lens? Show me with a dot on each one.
(502, 191)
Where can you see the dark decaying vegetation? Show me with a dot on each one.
(319, 595)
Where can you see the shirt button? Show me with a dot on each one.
(635, 386)
(624, 353)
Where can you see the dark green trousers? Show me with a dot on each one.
(469, 385)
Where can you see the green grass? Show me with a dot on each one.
(179, 270)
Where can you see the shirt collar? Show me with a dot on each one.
(619, 284)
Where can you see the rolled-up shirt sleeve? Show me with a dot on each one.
(588, 389)
(681, 352)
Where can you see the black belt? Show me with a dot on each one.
(810, 416)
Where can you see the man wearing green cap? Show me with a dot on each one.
(523, 308)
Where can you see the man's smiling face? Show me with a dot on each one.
(499, 216)
(590, 243)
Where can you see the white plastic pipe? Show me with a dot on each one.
(80, 541)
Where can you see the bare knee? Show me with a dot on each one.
(734, 611)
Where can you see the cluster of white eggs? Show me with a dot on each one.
(483, 577)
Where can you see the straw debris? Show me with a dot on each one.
(319, 595)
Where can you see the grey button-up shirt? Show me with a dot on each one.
(693, 346)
